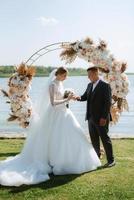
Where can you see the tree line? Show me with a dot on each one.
(8, 70)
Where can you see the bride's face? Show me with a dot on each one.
(62, 77)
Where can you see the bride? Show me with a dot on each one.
(55, 142)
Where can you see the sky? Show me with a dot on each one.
(28, 25)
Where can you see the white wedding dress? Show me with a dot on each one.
(55, 144)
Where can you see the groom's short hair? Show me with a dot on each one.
(94, 68)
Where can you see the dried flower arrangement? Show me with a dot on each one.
(111, 69)
(20, 102)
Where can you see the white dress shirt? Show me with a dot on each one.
(95, 84)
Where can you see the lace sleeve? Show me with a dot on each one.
(53, 100)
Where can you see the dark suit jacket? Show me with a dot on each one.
(98, 101)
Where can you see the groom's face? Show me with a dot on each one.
(92, 75)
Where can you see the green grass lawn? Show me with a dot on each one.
(116, 183)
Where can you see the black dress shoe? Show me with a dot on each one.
(110, 164)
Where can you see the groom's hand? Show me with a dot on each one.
(74, 98)
(102, 122)
(77, 98)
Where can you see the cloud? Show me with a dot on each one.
(48, 21)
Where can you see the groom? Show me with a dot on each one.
(98, 97)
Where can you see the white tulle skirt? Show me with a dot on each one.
(56, 145)
(69, 149)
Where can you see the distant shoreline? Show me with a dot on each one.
(22, 135)
(42, 71)
(46, 75)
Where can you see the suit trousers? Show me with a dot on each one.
(101, 132)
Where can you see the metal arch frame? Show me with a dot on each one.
(41, 52)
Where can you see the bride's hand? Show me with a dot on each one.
(71, 96)
(77, 98)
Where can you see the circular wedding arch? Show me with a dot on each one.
(112, 71)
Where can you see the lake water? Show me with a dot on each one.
(125, 127)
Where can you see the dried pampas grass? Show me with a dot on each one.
(88, 41)
(115, 113)
(31, 71)
(123, 67)
(22, 69)
(68, 54)
(25, 70)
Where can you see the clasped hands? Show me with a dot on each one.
(74, 97)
